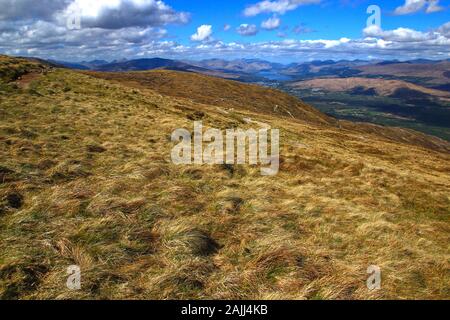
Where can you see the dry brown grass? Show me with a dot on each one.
(218, 92)
(86, 179)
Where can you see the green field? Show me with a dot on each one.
(430, 117)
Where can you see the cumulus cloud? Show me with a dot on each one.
(30, 29)
(45, 36)
(411, 37)
(445, 30)
(434, 7)
(106, 14)
(271, 23)
(343, 48)
(399, 34)
(400, 43)
(108, 27)
(413, 6)
(247, 30)
(14, 10)
(117, 14)
(204, 33)
(98, 43)
(278, 6)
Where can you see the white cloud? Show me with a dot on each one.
(203, 33)
(434, 7)
(401, 43)
(445, 30)
(400, 34)
(247, 30)
(271, 23)
(413, 6)
(105, 14)
(14, 10)
(47, 40)
(277, 6)
(130, 43)
(31, 29)
(116, 14)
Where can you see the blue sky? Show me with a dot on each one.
(277, 30)
(329, 19)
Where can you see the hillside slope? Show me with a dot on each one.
(238, 96)
(86, 179)
(219, 92)
(431, 73)
(147, 64)
(382, 87)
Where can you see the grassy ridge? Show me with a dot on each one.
(86, 179)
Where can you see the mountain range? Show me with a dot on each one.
(254, 70)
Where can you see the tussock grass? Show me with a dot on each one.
(86, 179)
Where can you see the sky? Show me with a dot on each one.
(276, 30)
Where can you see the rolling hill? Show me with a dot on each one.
(430, 74)
(86, 179)
(250, 66)
(235, 95)
(147, 64)
(379, 87)
(214, 91)
(174, 65)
